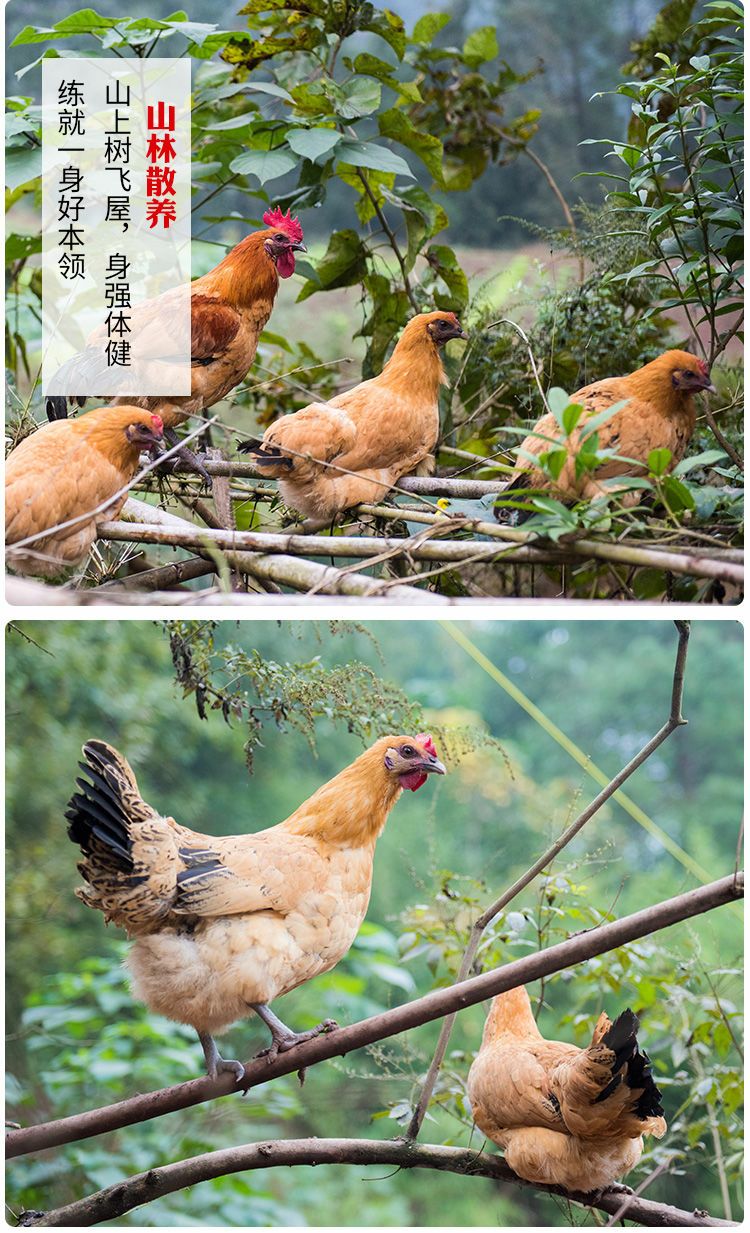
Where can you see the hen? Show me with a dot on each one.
(224, 925)
(229, 308)
(330, 456)
(565, 1116)
(658, 413)
(65, 479)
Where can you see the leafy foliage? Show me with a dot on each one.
(680, 163)
(293, 695)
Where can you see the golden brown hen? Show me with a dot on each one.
(659, 413)
(229, 308)
(223, 925)
(565, 1116)
(57, 479)
(331, 456)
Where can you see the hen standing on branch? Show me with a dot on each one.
(565, 1116)
(229, 308)
(355, 447)
(658, 412)
(57, 479)
(223, 925)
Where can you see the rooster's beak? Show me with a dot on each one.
(300, 248)
(431, 765)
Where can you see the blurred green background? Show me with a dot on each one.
(76, 1040)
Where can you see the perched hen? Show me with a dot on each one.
(223, 925)
(229, 309)
(61, 475)
(373, 434)
(565, 1116)
(659, 414)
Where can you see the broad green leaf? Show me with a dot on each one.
(705, 459)
(85, 21)
(557, 401)
(428, 26)
(312, 143)
(658, 461)
(359, 96)
(22, 165)
(368, 154)
(21, 246)
(398, 127)
(676, 495)
(571, 416)
(480, 46)
(343, 265)
(264, 164)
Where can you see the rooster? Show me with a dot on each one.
(66, 479)
(224, 925)
(331, 456)
(565, 1116)
(658, 412)
(229, 308)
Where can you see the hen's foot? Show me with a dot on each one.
(282, 1044)
(282, 1037)
(215, 1063)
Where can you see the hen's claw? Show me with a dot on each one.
(283, 1042)
(215, 1063)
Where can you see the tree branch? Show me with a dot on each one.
(230, 542)
(143, 1188)
(425, 1009)
(674, 720)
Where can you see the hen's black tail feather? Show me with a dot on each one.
(507, 514)
(263, 455)
(622, 1039)
(97, 812)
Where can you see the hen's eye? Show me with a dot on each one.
(408, 751)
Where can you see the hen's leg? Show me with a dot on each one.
(282, 1037)
(215, 1063)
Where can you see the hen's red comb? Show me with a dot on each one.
(157, 423)
(703, 365)
(427, 743)
(284, 222)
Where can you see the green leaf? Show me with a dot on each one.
(398, 127)
(428, 26)
(368, 154)
(480, 46)
(706, 459)
(343, 265)
(18, 246)
(359, 96)
(557, 401)
(85, 21)
(676, 495)
(264, 164)
(22, 165)
(658, 461)
(312, 143)
(444, 263)
(571, 416)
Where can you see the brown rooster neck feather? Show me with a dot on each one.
(246, 274)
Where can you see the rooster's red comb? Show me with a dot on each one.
(284, 222)
(427, 743)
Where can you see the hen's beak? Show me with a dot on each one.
(431, 765)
